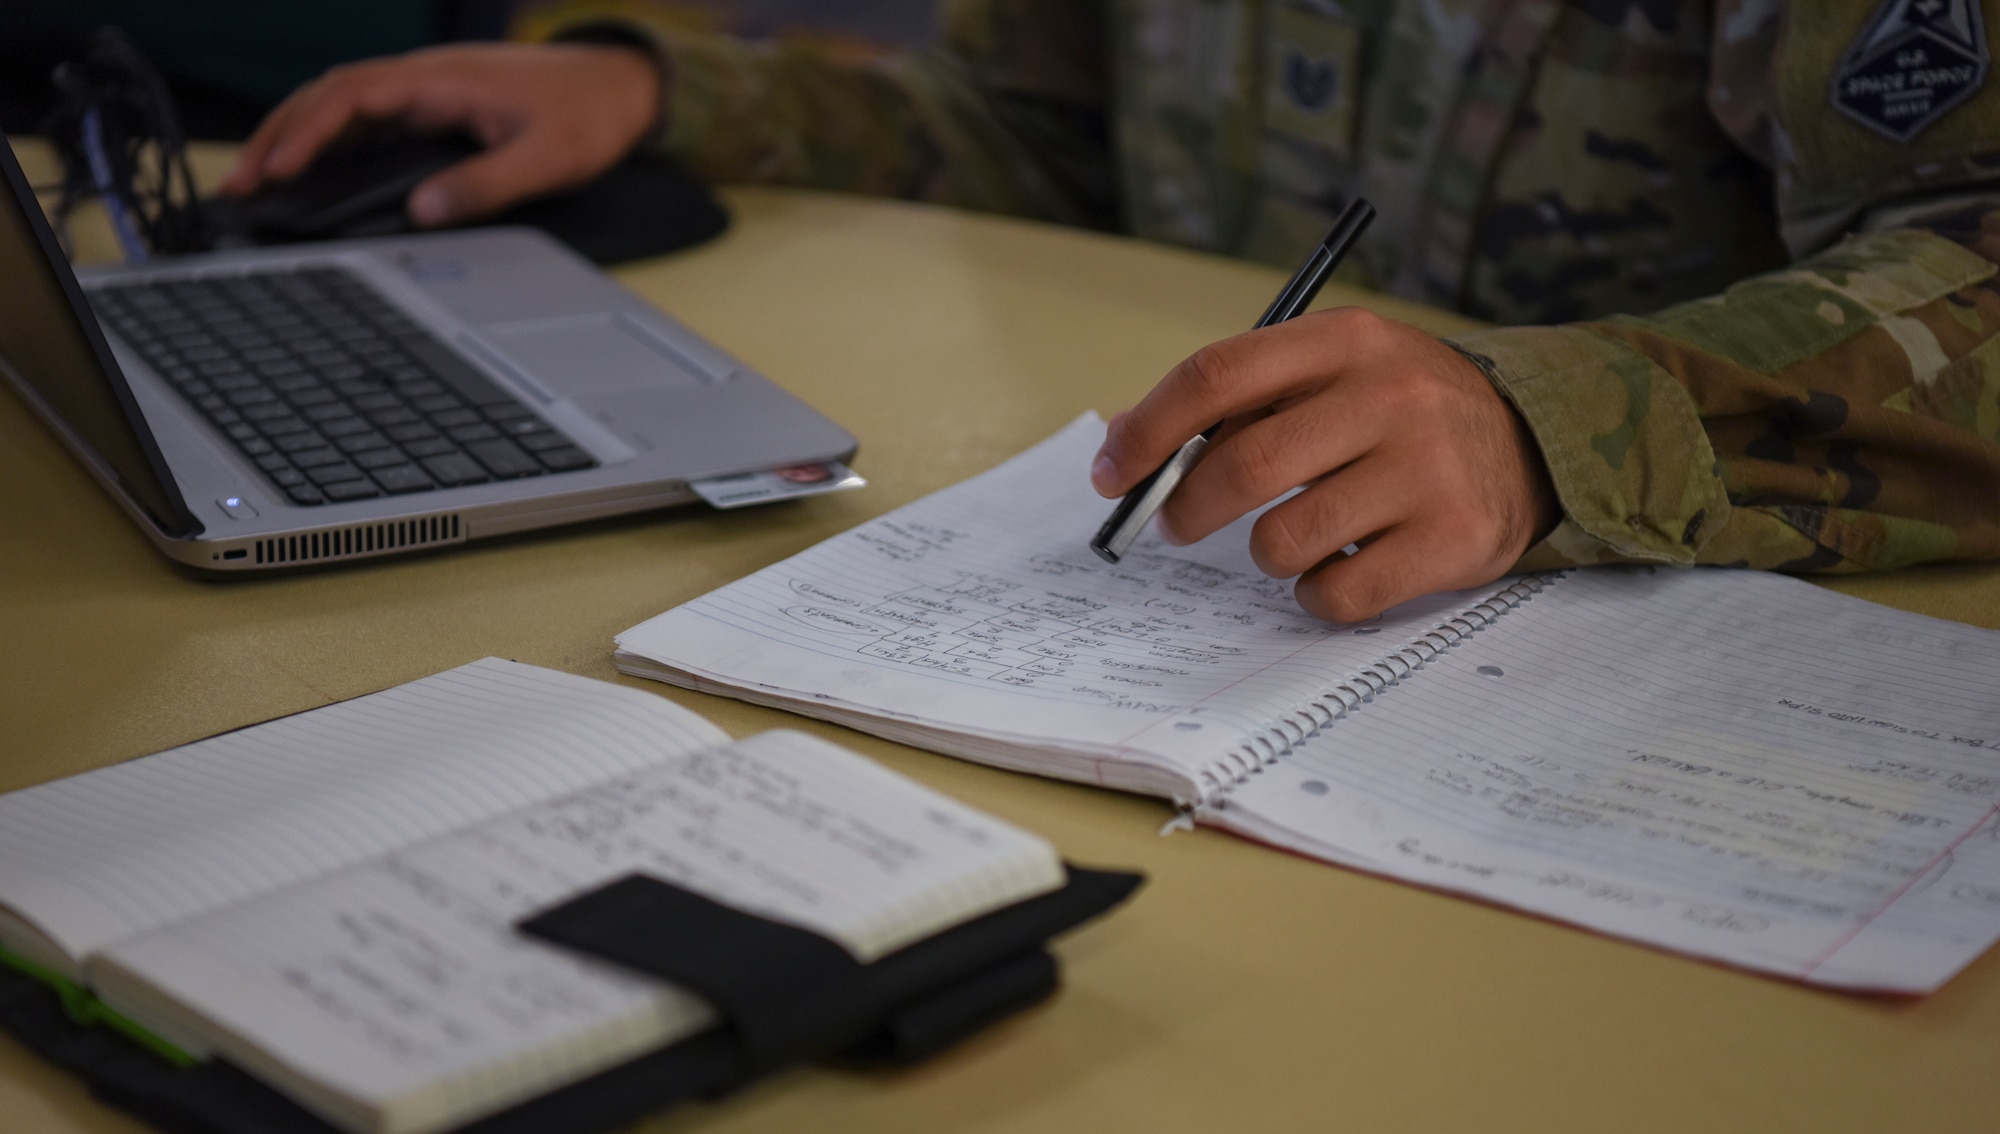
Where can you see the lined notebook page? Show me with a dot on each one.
(1744, 767)
(399, 987)
(105, 855)
(982, 608)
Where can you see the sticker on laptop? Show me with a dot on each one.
(789, 483)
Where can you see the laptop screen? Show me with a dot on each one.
(50, 342)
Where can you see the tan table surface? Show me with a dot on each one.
(1244, 988)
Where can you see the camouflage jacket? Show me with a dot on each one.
(1561, 166)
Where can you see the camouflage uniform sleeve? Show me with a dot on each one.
(1839, 415)
(1004, 113)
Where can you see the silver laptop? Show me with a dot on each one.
(271, 409)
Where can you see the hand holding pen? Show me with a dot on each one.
(1145, 498)
(1405, 451)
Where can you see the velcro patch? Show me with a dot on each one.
(1914, 62)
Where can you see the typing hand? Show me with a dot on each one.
(1404, 446)
(552, 116)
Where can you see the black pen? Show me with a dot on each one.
(1129, 518)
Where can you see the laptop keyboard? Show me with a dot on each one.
(329, 389)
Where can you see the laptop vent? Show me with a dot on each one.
(361, 539)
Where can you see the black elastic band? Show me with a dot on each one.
(789, 993)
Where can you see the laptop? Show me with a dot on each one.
(277, 408)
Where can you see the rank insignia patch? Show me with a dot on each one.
(1915, 61)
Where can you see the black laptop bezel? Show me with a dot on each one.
(179, 522)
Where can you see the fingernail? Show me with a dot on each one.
(1103, 474)
(430, 205)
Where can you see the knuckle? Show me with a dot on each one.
(1345, 596)
(1363, 327)
(1278, 548)
(1478, 536)
(1210, 374)
(1413, 395)
(1483, 520)
(1252, 466)
(1422, 395)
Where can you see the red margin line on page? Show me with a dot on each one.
(1855, 931)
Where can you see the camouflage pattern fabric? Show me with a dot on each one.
(1005, 114)
(1569, 162)
(1842, 415)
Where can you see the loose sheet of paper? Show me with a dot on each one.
(1739, 766)
(109, 854)
(981, 610)
(400, 981)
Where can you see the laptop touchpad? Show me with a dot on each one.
(593, 354)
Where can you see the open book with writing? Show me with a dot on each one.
(1739, 766)
(328, 900)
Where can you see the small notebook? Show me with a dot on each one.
(327, 900)
(1734, 765)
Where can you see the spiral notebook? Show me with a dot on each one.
(1739, 766)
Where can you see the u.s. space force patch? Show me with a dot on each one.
(1914, 62)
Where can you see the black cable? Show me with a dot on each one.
(119, 137)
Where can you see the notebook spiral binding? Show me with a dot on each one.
(1287, 732)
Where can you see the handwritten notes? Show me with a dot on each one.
(102, 856)
(1742, 766)
(400, 986)
(984, 605)
(1739, 766)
